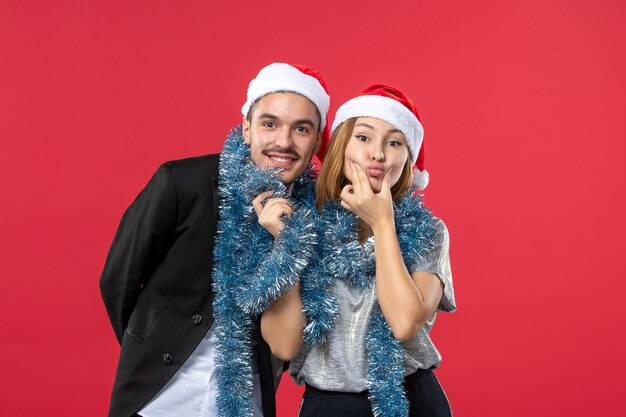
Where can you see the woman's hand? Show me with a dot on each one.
(270, 212)
(376, 209)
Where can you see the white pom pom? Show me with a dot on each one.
(420, 178)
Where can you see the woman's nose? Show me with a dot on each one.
(377, 155)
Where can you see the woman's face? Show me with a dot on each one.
(377, 147)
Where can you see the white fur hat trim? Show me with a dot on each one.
(389, 110)
(283, 77)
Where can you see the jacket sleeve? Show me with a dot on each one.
(145, 234)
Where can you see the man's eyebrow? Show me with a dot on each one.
(268, 116)
(305, 122)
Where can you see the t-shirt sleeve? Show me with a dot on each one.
(437, 261)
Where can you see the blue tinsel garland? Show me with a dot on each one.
(342, 257)
(251, 270)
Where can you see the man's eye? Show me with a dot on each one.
(362, 138)
(302, 129)
(269, 124)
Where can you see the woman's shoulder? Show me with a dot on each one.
(439, 225)
(441, 234)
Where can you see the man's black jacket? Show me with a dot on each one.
(157, 286)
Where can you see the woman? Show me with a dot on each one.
(383, 271)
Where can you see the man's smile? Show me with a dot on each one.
(281, 159)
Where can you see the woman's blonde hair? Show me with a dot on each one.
(331, 180)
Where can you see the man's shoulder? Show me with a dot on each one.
(195, 174)
(194, 162)
(198, 166)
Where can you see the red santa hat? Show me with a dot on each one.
(393, 106)
(298, 79)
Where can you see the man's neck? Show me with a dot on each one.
(289, 189)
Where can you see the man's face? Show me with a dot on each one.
(283, 133)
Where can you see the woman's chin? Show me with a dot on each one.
(375, 183)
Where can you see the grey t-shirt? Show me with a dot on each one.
(340, 363)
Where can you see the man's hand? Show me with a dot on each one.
(270, 212)
(376, 209)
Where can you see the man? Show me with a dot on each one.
(157, 283)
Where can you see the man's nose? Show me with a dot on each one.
(283, 138)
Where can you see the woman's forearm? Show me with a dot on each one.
(283, 323)
(406, 300)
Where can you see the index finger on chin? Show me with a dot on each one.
(356, 178)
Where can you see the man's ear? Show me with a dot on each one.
(318, 145)
(246, 131)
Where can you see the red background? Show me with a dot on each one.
(523, 105)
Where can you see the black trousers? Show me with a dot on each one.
(425, 395)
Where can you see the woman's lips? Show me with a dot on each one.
(375, 170)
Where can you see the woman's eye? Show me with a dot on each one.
(362, 138)
(395, 143)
